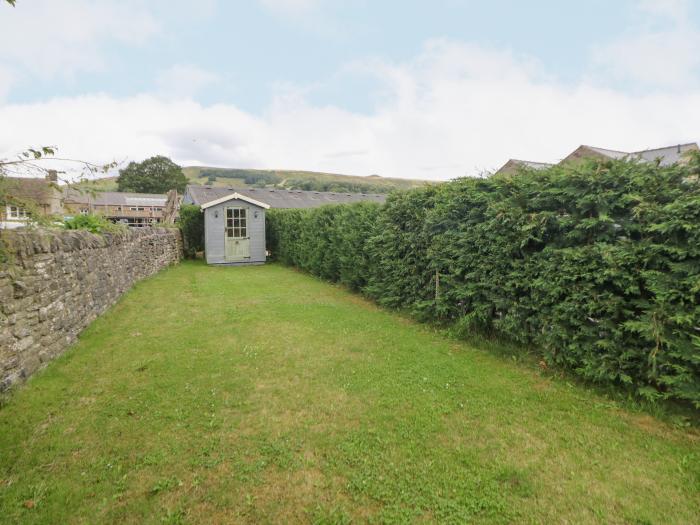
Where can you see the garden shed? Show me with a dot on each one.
(234, 230)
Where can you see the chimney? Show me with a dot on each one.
(679, 148)
(52, 176)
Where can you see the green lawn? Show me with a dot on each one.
(261, 395)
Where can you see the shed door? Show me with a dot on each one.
(236, 234)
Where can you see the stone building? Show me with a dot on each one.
(132, 209)
(27, 197)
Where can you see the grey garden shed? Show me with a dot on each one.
(234, 230)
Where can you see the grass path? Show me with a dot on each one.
(260, 395)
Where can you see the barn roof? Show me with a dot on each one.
(113, 198)
(277, 198)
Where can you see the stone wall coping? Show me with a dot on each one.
(30, 241)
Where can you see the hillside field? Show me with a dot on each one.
(281, 178)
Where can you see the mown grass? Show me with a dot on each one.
(261, 395)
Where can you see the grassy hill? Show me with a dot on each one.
(290, 179)
(300, 180)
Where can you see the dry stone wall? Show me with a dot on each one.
(55, 283)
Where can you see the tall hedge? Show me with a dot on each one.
(191, 224)
(596, 265)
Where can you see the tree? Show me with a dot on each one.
(155, 175)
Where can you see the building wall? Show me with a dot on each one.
(50, 203)
(54, 284)
(214, 227)
(114, 211)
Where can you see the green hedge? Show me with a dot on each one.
(191, 224)
(595, 265)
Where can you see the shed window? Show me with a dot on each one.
(236, 223)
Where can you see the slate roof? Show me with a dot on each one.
(277, 198)
(513, 165)
(532, 164)
(113, 198)
(668, 155)
(28, 189)
(611, 153)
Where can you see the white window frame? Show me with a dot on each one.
(236, 222)
(17, 213)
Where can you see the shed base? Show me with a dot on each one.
(238, 263)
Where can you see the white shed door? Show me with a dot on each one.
(236, 234)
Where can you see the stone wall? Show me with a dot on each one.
(55, 283)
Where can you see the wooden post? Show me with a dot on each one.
(437, 285)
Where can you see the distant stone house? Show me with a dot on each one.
(132, 209)
(234, 219)
(29, 197)
(666, 156)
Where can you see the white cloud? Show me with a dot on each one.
(451, 111)
(47, 38)
(184, 81)
(662, 52)
(673, 9)
(7, 78)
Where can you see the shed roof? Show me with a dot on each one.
(277, 198)
(233, 196)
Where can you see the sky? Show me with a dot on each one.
(424, 89)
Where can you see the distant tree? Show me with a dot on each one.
(11, 2)
(155, 175)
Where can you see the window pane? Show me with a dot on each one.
(229, 212)
(243, 232)
(243, 224)
(229, 232)
(243, 210)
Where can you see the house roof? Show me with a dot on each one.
(534, 165)
(113, 198)
(610, 153)
(34, 189)
(277, 198)
(668, 155)
(233, 196)
(514, 164)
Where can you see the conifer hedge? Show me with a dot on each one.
(596, 265)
